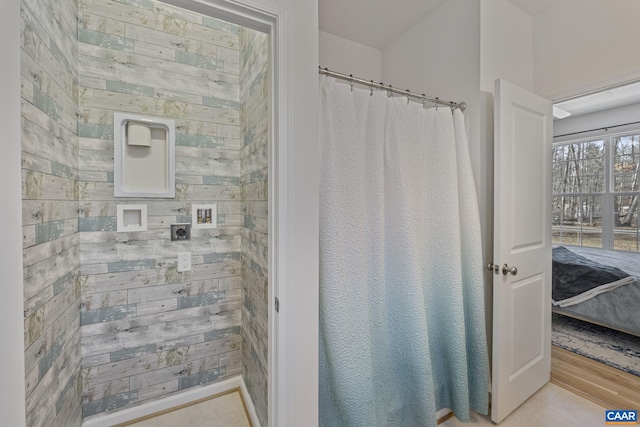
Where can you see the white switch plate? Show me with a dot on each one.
(184, 261)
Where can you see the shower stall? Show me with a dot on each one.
(111, 321)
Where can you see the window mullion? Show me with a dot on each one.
(608, 205)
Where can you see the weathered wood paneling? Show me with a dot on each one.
(254, 155)
(50, 210)
(147, 330)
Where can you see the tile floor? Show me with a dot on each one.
(223, 411)
(550, 406)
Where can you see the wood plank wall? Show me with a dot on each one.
(50, 212)
(254, 121)
(109, 321)
(147, 330)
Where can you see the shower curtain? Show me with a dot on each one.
(402, 327)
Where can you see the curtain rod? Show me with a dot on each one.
(371, 85)
(606, 128)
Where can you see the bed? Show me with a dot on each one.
(618, 308)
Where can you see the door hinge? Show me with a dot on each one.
(277, 305)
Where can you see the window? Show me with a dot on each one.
(595, 192)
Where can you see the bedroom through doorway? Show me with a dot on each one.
(596, 241)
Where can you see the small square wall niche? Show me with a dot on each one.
(144, 156)
(132, 218)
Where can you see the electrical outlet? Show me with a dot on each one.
(184, 261)
(181, 231)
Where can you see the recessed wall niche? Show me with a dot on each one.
(144, 156)
(131, 218)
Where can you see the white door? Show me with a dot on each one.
(522, 247)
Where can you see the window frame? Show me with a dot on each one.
(609, 193)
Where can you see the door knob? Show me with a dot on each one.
(506, 270)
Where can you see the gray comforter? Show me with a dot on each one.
(618, 309)
(577, 279)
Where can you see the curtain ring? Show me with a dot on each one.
(453, 106)
(389, 93)
(351, 81)
(424, 99)
(436, 103)
(371, 88)
(408, 95)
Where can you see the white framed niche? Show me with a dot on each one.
(144, 156)
(131, 218)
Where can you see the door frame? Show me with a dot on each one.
(294, 170)
(12, 375)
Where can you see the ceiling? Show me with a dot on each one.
(534, 7)
(376, 23)
(603, 100)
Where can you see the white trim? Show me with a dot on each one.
(251, 409)
(274, 272)
(12, 374)
(188, 396)
(442, 412)
(596, 135)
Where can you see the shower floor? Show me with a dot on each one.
(225, 410)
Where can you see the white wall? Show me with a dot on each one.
(303, 302)
(440, 55)
(348, 57)
(582, 45)
(12, 390)
(506, 45)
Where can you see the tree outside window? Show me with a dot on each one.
(595, 192)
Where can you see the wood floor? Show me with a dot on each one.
(597, 382)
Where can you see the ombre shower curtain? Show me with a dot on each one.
(402, 326)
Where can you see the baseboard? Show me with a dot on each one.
(179, 399)
(251, 409)
(443, 415)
